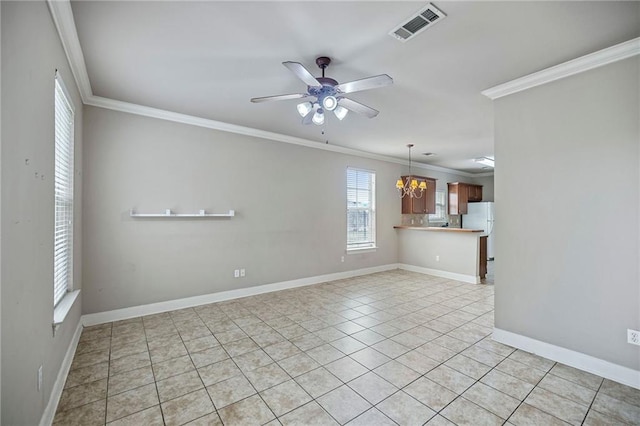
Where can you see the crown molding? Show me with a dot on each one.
(588, 62)
(65, 24)
(131, 108)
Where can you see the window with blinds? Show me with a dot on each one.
(361, 209)
(440, 213)
(63, 187)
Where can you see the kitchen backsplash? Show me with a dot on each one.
(423, 220)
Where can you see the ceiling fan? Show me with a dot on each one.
(326, 94)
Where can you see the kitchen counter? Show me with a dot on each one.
(436, 228)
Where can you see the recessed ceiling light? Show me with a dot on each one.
(428, 154)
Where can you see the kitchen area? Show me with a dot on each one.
(447, 233)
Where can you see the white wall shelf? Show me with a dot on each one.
(168, 214)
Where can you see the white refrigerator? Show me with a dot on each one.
(480, 216)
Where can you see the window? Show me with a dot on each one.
(361, 209)
(440, 215)
(63, 187)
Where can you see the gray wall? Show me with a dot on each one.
(290, 203)
(31, 52)
(567, 199)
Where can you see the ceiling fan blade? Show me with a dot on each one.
(281, 97)
(302, 73)
(357, 107)
(365, 84)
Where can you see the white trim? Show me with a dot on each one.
(600, 367)
(188, 302)
(588, 62)
(64, 306)
(65, 24)
(58, 386)
(115, 105)
(443, 274)
(362, 250)
(63, 18)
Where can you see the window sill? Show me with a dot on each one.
(61, 311)
(362, 250)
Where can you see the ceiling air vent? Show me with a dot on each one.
(425, 18)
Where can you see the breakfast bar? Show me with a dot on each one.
(455, 253)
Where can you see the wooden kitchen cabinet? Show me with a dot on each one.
(460, 194)
(483, 257)
(426, 203)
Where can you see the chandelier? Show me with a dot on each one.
(411, 187)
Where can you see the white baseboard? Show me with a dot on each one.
(58, 386)
(443, 274)
(600, 367)
(188, 302)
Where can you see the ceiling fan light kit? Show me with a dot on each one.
(328, 93)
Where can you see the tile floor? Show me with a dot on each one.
(384, 349)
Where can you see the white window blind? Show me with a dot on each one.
(63, 187)
(361, 209)
(440, 213)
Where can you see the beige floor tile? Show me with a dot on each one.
(430, 393)
(386, 330)
(87, 374)
(85, 415)
(368, 337)
(239, 347)
(173, 367)
(211, 419)
(450, 379)
(439, 421)
(230, 335)
(372, 387)
(292, 331)
(492, 400)
(318, 382)
(129, 380)
(451, 343)
(491, 345)
(131, 401)
(267, 376)
(186, 408)
(130, 349)
(390, 348)
(128, 363)
(93, 345)
(310, 414)
(349, 327)
(574, 375)
(521, 371)
(532, 360)
(567, 389)
(621, 392)
(201, 343)
(483, 355)
(405, 410)
(595, 418)
(527, 415)
(435, 351)
(285, 397)
(463, 412)
(348, 345)
(82, 394)
(164, 353)
(346, 369)
(557, 406)
(371, 417)
(508, 384)
(252, 360)
(169, 338)
(468, 366)
(149, 417)
(281, 350)
(343, 404)
(208, 356)
(179, 385)
(308, 341)
(90, 358)
(298, 364)
(218, 372)
(615, 408)
(370, 358)
(251, 411)
(325, 354)
(229, 391)
(418, 362)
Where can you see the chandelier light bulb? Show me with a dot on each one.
(318, 117)
(305, 108)
(340, 112)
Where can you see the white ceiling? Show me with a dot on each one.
(208, 59)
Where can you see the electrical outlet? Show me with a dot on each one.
(236, 273)
(633, 337)
(437, 258)
(242, 272)
(342, 259)
(39, 378)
